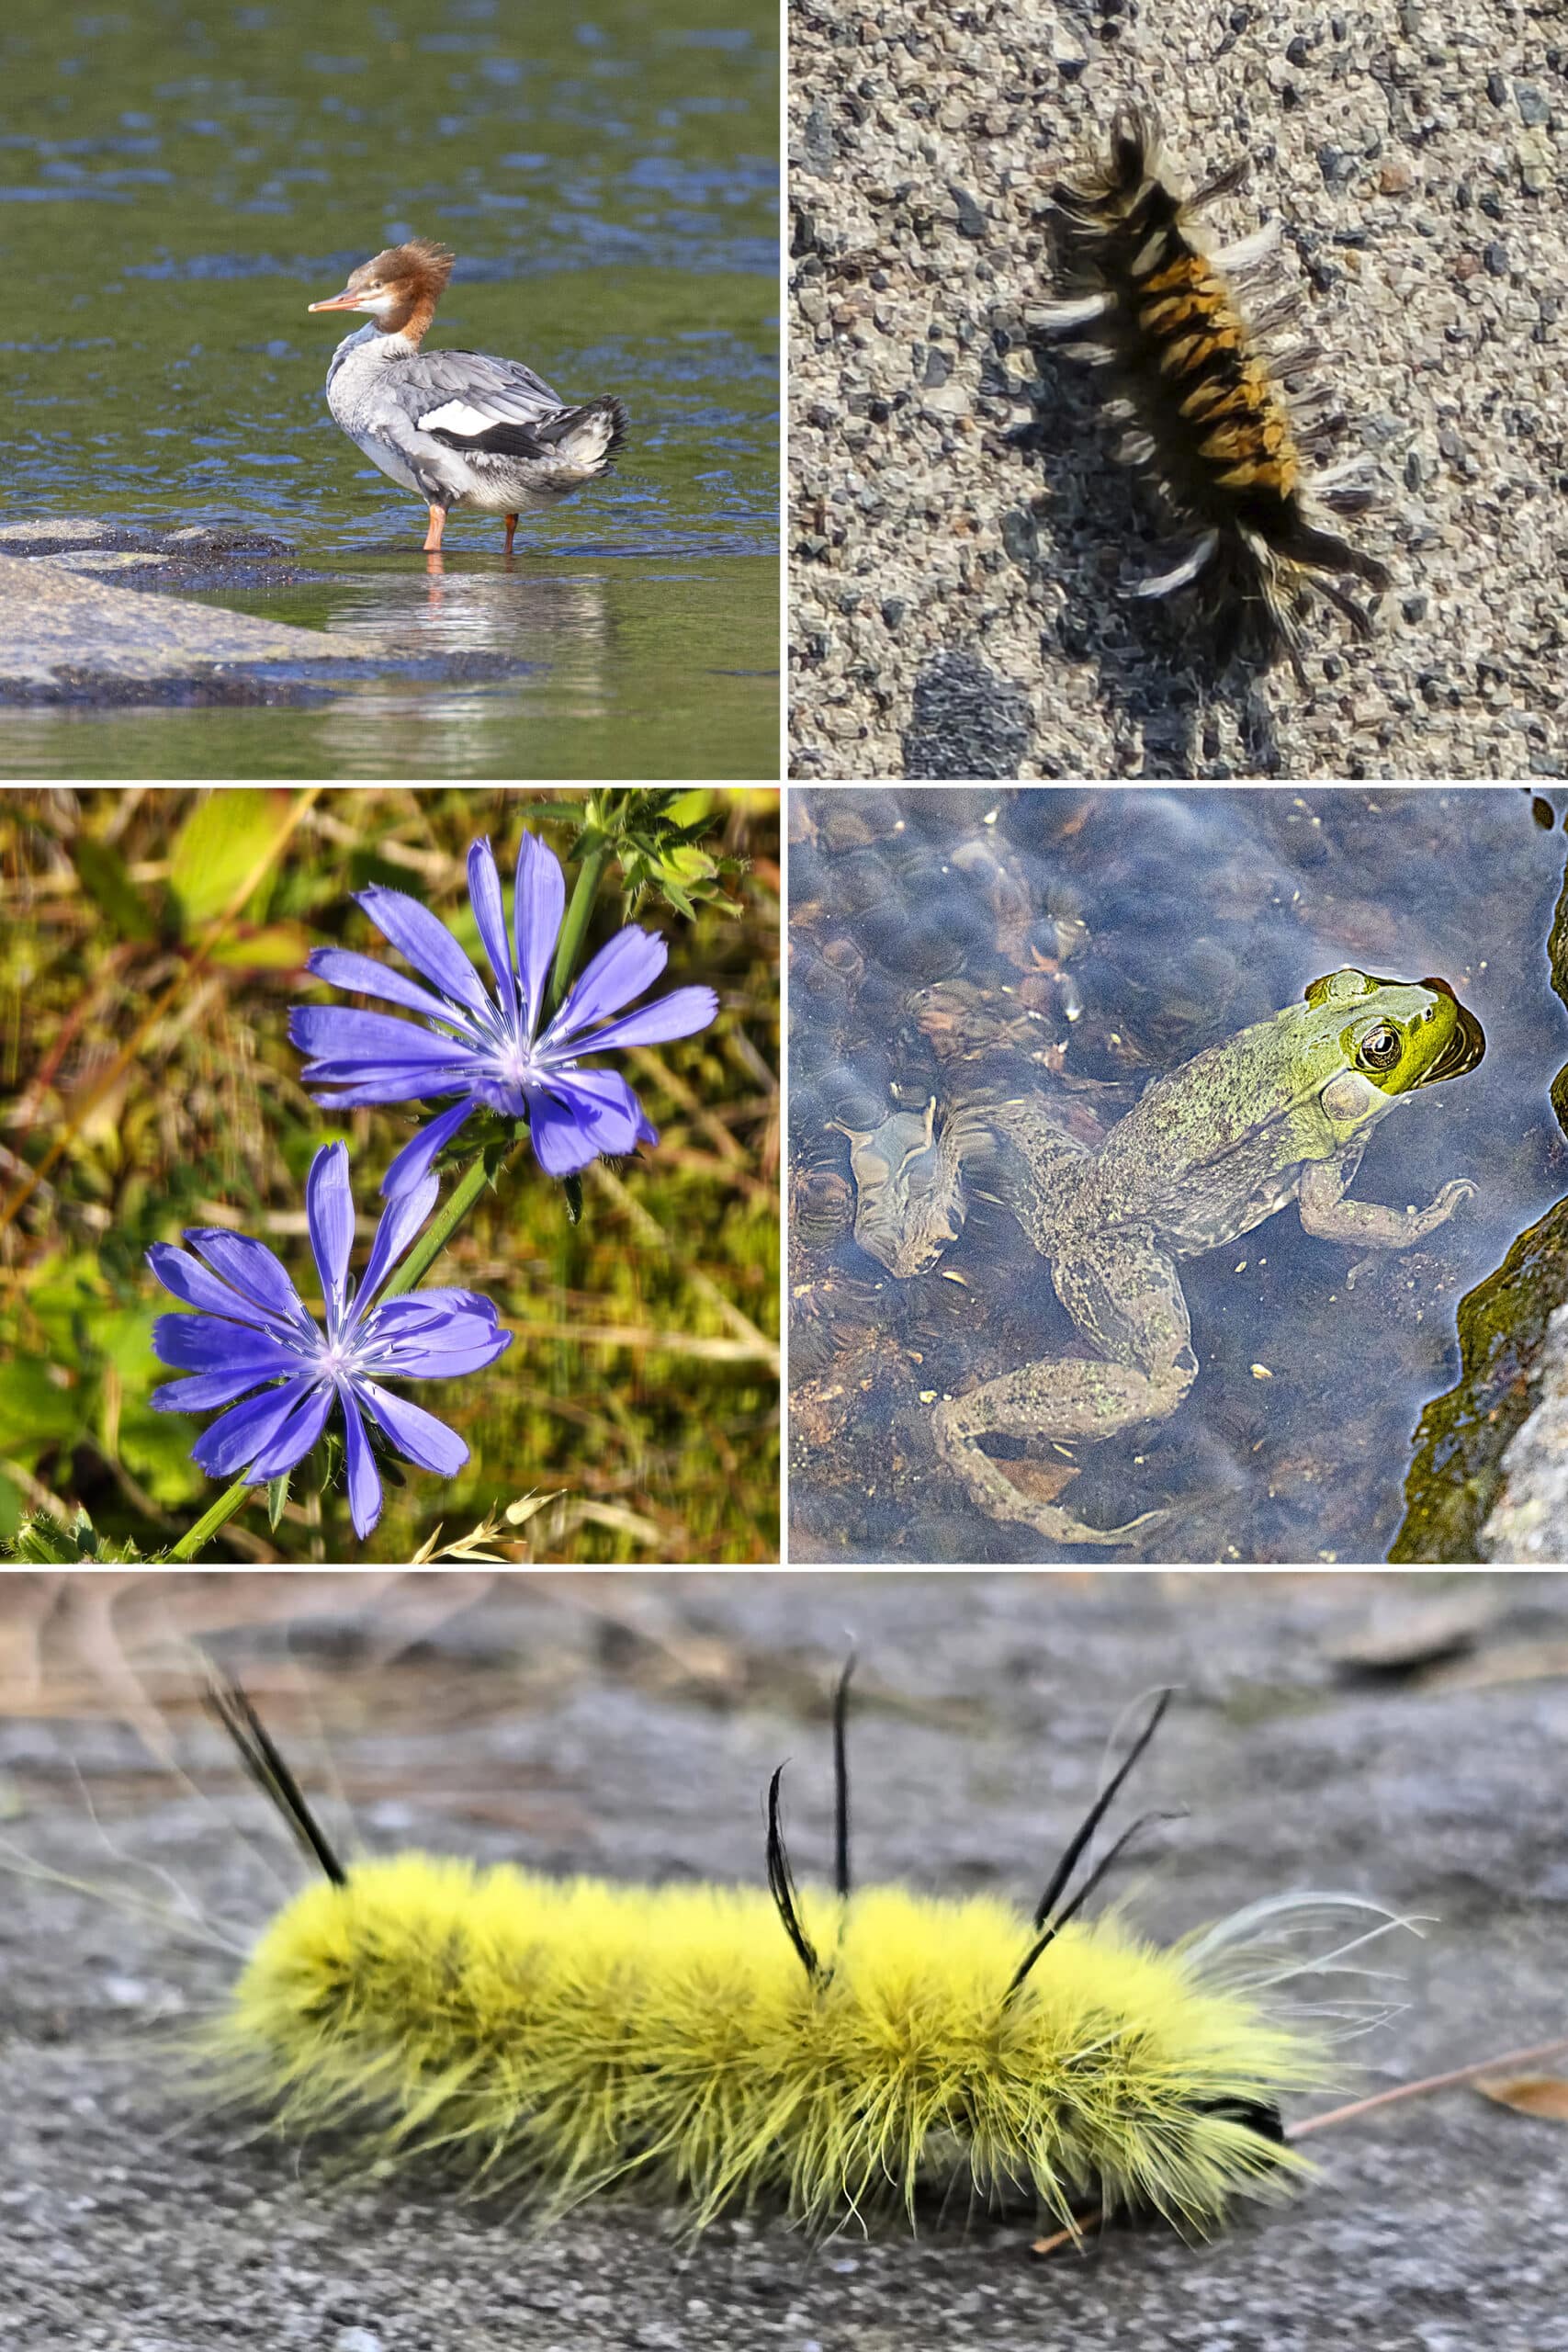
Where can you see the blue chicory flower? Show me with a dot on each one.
(494, 1052)
(251, 1328)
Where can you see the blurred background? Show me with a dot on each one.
(178, 184)
(1400, 1738)
(635, 1416)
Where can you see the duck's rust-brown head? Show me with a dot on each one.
(399, 287)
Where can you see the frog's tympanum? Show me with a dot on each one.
(1281, 1112)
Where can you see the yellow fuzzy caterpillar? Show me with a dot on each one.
(828, 2050)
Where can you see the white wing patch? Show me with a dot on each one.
(457, 417)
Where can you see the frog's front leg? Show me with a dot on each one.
(1122, 1291)
(1326, 1213)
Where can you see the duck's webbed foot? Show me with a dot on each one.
(1367, 1224)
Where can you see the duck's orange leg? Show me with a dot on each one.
(437, 524)
(511, 528)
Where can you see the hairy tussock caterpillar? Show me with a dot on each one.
(1219, 417)
(832, 2051)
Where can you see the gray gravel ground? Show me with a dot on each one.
(960, 533)
(629, 1726)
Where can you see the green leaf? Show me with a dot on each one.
(274, 947)
(559, 812)
(35, 1411)
(277, 1495)
(223, 840)
(102, 873)
(43, 1542)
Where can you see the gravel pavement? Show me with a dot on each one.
(961, 535)
(631, 1731)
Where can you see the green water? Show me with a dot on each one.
(176, 187)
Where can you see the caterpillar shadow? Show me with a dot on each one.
(1163, 672)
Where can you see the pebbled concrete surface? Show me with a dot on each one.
(1388, 1734)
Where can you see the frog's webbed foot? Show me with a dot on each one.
(909, 1200)
(1078, 1398)
(1122, 1293)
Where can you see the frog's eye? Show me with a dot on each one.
(1380, 1047)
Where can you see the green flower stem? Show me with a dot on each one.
(570, 945)
(436, 1236)
(212, 1519)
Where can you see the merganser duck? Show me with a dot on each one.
(454, 426)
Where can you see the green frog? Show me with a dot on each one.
(1280, 1112)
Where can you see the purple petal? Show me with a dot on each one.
(329, 1212)
(428, 945)
(341, 968)
(207, 1389)
(630, 962)
(484, 892)
(678, 1015)
(205, 1343)
(537, 913)
(601, 1105)
(344, 1032)
(460, 1343)
(237, 1436)
(182, 1274)
(417, 1308)
(254, 1270)
(293, 1442)
(412, 1163)
(406, 1083)
(582, 1116)
(400, 1221)
(414, 1431)
(364, 1478)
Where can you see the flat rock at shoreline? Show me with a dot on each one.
(64, 636)
(69, 633)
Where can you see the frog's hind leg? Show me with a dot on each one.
(1124, 1295)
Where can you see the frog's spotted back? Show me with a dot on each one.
(1221, 429)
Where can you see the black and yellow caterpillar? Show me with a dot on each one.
(1221, 427)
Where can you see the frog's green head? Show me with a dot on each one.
(1377, 1039)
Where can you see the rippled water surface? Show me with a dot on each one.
(177, 185)
(949, 942)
